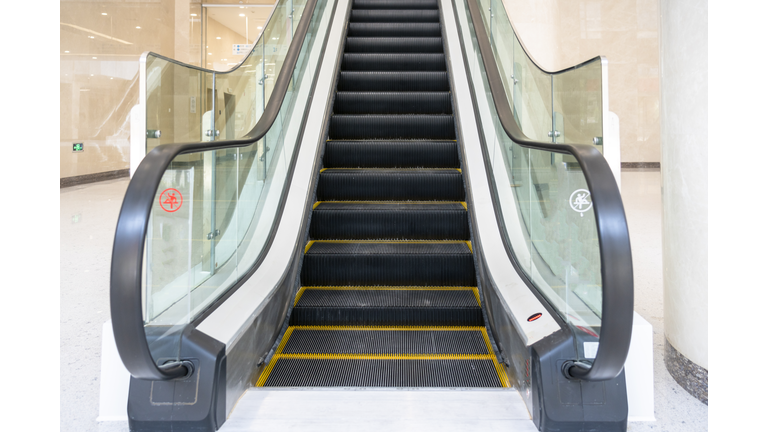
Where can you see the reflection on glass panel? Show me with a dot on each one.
(240, 96)
(170, 116)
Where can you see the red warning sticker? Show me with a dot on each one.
(171, 200)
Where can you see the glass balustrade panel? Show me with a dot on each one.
(545, 204)
(578, 96)
(214, 211)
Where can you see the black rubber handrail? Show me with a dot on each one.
(610, 219)
(130, 236)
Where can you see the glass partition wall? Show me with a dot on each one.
(214, 210)
(544, 201)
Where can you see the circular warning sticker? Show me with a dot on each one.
(170, 200)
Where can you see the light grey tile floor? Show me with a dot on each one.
(88, 215)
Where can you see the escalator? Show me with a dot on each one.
(389, 295)
(396, 217)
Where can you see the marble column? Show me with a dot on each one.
(683, 118)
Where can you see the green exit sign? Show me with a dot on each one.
(77, 147)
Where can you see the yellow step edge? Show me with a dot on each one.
(385, 356)
(385, 288)
(384, 328)
(500, 372)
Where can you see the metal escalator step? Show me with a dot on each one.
(391, 154)
(392, 126)
(396, 248)
(384, 340)
(394, 4)
(390, 185)
(393, 81)
(408, 62)
(353, 221)
(388, 264)
(382, 373)
(387, 297)
(394, 45)
(393, 30)
(394, 16)
(392, 103)
(387, 306)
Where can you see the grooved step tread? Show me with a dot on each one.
(391, 154)
(388, 297)
(383, 340)
(393, 30)
(394, 4)
(350, 372)
(393, 81)
(324, 247)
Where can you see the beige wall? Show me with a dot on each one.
(563, 33)
(97, 94)
(684, 162)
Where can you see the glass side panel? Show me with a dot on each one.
(546, 210)
(214, 210)
(239, 96)
(277, 38)
(177, 118)
(578, 95)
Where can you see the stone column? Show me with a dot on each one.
(683, 115)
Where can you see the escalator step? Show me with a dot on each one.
(394, 16)
(394, 4)
(393, 30)
(379, 306)
(388, 264)
(383, 373)
(394, 45)
(393, 81)
(390, 185)
(383, 297)
(408, 62)
(392, 103)
(391, 154)
(353, 340)
(361, 221)
(392, 126)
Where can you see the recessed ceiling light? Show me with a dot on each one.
(90, 37)
(223, 59)
(274, 38)
(138, 27)
(242, 14)
(103, 13)
(94, 58)
(242, 7)
(218, 37)
(111, 78)
(258, 28)
(210, 54)
(193, 14)
(91, 74)
(66, 51)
